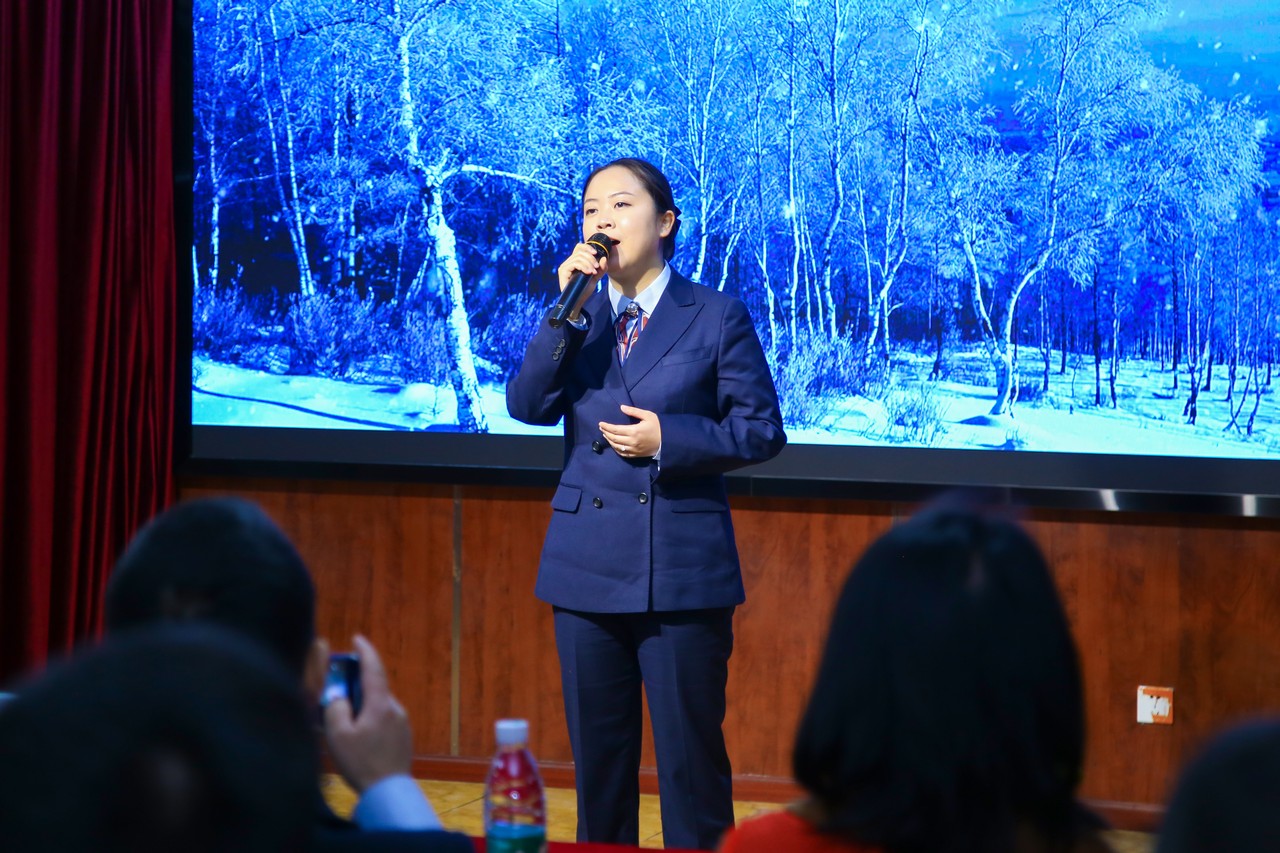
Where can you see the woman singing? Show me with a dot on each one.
(663, 387)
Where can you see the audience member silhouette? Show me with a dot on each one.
(224, 561)
(1228, 798)
(181, 738)
(947, 713)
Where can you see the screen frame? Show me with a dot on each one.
(1051, 480)
(1085, 481)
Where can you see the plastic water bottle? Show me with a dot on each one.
(515, 810)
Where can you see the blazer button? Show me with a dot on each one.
(597, 446)
(597, 503)
(644, 498)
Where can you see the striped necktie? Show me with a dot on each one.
(630, 323)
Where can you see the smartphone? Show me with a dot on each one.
(342, 680)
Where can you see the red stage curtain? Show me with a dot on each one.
(87, 289)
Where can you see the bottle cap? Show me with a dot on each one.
(512, 732)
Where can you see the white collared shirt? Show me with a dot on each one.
(647, 299)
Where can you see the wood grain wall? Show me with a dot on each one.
(441, 579)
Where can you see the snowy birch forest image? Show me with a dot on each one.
(1038, 225)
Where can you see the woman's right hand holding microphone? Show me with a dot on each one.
(583, 260)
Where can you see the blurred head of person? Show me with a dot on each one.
(179, 738)
(221, 561)
(947, 713)
(1226, 799)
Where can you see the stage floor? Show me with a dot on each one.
(460, 806)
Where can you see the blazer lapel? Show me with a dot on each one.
(671, 318)
(598, 360)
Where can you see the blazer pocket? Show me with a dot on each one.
(698, 505)
(688, 355)
(566, 498)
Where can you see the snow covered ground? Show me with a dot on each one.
(226, 395)
(1147, 421)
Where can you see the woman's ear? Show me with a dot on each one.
(665, 223)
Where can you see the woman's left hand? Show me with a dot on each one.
(634, 441)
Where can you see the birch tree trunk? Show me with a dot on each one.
(1234, 355)
(1176, 287)
(807, 254)
(770, 298)
(212, 122)
(836, 117)
(1064, 331)
(1256, 356)
(290, 201)
(1046, 340)
(1097, 343)
(1115, 340)
(894, 250)
(444, 254)
(1209, 349)
(1197, 343)
(864, 232)
(462, 363)
(731, 244)
(759, 133)
(793, 202)
(215, 214)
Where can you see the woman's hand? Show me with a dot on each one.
(638, 440)
(582, 260)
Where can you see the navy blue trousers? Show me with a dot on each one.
(682, 660)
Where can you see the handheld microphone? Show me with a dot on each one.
(569, 297)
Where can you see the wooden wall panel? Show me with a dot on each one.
(1182, 601)
(1229, 607)
(509, 662)
(1120, 588)
(795, 556)
(1177, 601)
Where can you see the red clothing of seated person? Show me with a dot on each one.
(785, 830)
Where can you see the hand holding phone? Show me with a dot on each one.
(342, 681)
(376, 744)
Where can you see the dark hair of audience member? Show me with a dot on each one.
(177, 738)
(947, 713)
(219, 560)
(1227, 798)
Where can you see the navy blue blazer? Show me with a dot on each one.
(630, 535)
